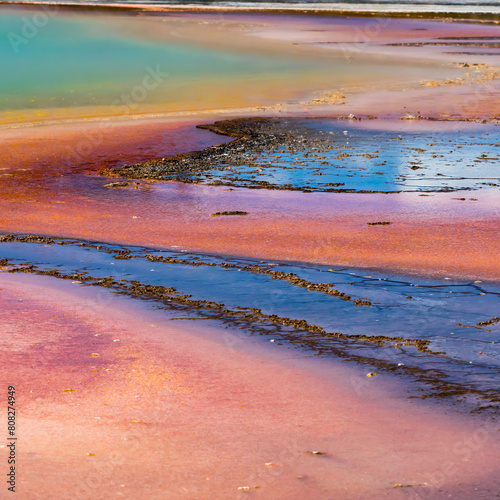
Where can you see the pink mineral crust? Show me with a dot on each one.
(50, 184)
(46, 190)
(116, 401)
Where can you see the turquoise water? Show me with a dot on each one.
(62, 59)
(81, 61)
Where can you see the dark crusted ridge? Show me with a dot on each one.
(253, 138)
(234, 212)
(250, 318)
(126, 254)
(29, 238)
(291, 278)
(248, 313)
(492, 321)
(249, 133)
(481, 324)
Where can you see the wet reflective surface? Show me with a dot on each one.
(457, 321)
(108, 379)
(168, 352)
(347, 156)
(59, 63)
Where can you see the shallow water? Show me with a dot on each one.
(219, 410)
(347, 155)
(122, 64)
(80, 61)
(62, 64)
(462, 354)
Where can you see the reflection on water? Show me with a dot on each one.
(458, 319)
(345, 156)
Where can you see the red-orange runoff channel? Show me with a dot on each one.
(50, 186)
